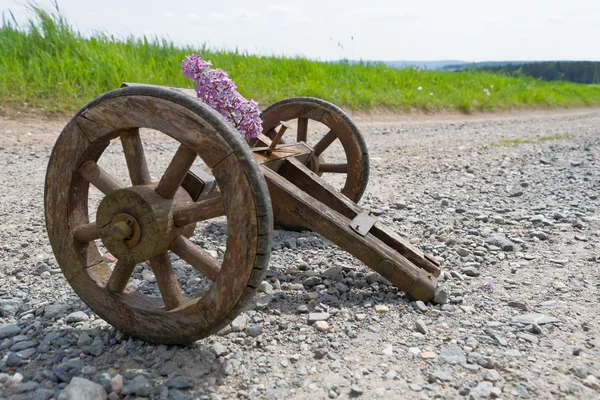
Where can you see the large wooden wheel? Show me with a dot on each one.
(150, 219)
(353, 164)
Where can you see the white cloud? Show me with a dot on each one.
(378, 14)
(243, 14)
(239, 15)
(219, 16)
(290, 13)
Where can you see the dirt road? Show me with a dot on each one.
(509, 202)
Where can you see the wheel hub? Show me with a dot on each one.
(136, 223)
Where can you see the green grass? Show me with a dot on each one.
(529, 140)
(46, 63)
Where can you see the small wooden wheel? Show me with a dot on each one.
(150, 219)
(337, 125)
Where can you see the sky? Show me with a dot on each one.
(425, 30)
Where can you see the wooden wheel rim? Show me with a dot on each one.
(339, 123)
(221, 147)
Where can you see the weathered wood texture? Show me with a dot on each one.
(95, 175)
(176, 171)
(135, 157)
(341, 128)
(166, 280)
(196, 257)
(310, 212)
(307, 181)
(245, 200)
(200, 211)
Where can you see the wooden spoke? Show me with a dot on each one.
(167, 281)
(334, 168)
(86, 233)
(134, 154)
(302, 130)
(199, 211)
(196, 257)
(176, 172)
(119, 277)
(98, 177)
(324, 143)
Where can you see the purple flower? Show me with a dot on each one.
(489, 285)
(218, 91)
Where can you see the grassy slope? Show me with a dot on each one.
(48, 64)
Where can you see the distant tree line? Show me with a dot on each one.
(573, 71)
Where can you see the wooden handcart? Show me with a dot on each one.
(278, 180)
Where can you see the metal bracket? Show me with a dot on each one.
(363, 222)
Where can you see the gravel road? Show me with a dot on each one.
(509, 203)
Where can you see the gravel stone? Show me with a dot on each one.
(483, 389)
(9, 307)
(420, 306)
(255, 330)
(452, 355)
(13, 360)
(9, 330)
(219, 349)
(180, 382)
(356, 390)
(314, 317)
(440, 374)
(312, 281)
(97, 346)
(141, 386)
(421, 327)
(492, 375)
(539, 319)
(381, 309)
(53, 310)
(103, 379)
(500, 241)
(77, 316)
(83, 389)
(322, 326)
(239, 323)
(43, 394)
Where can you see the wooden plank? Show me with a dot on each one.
(390, 264)
(309, 182)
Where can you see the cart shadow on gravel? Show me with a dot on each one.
(96, 351)
(100, 353)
